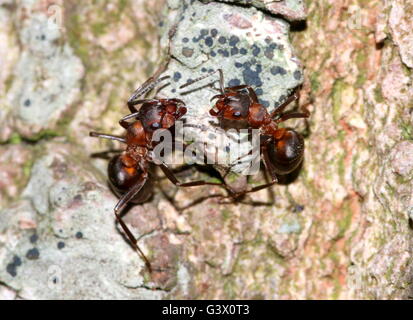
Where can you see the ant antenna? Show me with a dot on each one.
(146, 87)
(106, 136)
(221, 80)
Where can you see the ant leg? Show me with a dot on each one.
(269, 168)
(171, 176)
(282, 106)
(221, 81)
(120, 205)
(304, 114)
(106, 136)
(124, 123)
(251, 91)
(237, 88)
(132, 103)
(293, 115)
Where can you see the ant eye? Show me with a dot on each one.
(237, 114)
(155, 125)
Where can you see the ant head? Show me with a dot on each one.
(161, 114)
(232, 106)
(123, 172)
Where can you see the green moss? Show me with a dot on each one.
(229, 289)
(15, 138)
(226, 214)
(344, 224)
(378, 95)
(337, 289)
(27, 168)
(42, 135)
(8, 83)
(338, 87)
(99, 28)
(315, 82)
(232, 177)
(75, 33)
(341, 168)
(407, 131)
(361, 79)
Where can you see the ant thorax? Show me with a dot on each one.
(136, 136)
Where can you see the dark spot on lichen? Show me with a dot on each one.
(222, 40)
(278, 70)
(269, 53)
(233, 40)
(185, 40)
(243, 51)
(238, 65)
(297, 75)
(33, 238)
(27, 103)
(43, 37)
(213, 53)
(273, 46)
(33, 254)
(77, 198)
(247, 64)
(17, 261)
(11, 268)
(252, 77)
(265, 103)
(227, 149)
(214, 32)
(259, 92)
(204, 70)
(234, 82)
(161, 24)
(60, 245)
(204, 32)
(187, 52)
(209, 42)
(173, 90)
(255, 50)
(177, 76)
(79, 235)
(224, 53)
(234, 51)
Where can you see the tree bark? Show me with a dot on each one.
(340, 229)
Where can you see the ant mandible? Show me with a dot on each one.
(282, 149)
(128, 172)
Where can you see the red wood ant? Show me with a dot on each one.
(282, 149)
(128, 172)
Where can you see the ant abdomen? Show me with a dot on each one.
(286, 151)
(123, 174)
